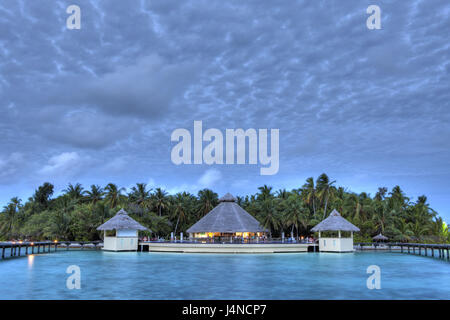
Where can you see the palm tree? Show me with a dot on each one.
(265, 192)
(269, 215)
(95, 194)
(161, 200)
(61, 221)
(325, 189)
(180, 206)
(282, 194)
(310, 193)
(75, 192)
(140, 195)
(113, 194)
(381, 194)
(42, 195)
(10, 210)
(207, 200)
(292, 211)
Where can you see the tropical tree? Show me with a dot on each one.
(10, 212)
(140, 196)
(75, 192)
(325, 191)
(207, 200)
(113, 194)
(161, 200)
(269, 216)
(95, 194)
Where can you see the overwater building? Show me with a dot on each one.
(226, 222)
(124, 230)
(343, 242)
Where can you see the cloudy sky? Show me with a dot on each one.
(97, 105)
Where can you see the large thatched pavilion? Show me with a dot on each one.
(226, 222)
(126, 232)
(335, 222)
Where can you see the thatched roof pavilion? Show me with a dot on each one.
(121, 221)
(126, 232)
(380, 237)
(335, 222)
(227, 218)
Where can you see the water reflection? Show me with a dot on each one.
(30, 261)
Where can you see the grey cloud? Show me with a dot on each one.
(347, 100)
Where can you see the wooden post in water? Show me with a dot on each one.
(401, 249)
(426, 251)
(3, 252)
(408, 248)
(432, 251)
(414, 250)
(19, 250)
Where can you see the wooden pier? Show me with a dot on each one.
(17, 249)
(440, 251)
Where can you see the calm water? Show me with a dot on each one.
(106, 275)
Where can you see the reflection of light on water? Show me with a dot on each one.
(30, 261)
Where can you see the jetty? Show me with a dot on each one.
(21, 248)
(226, 247)
(440, 251)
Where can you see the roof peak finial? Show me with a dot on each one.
(228, 197)
(122, 211)
(335, 213)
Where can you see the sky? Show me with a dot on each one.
(96, 105)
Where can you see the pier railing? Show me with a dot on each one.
(21, 248)
(426, 249)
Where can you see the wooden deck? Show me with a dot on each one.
(186, 247)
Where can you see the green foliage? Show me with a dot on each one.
(77, 213)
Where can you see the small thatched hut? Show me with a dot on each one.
(335, 222)
(227, 221)
(380, 237)
(126, 228)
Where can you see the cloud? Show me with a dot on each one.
(210, 178)
(10, 166)
(64, 164)
(348, 101)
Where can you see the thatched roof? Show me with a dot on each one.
(121, 221)
(227, 217)
(335, 222)
(380, 237)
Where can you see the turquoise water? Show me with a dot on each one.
(136, 275)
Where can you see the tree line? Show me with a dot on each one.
(77, 212)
